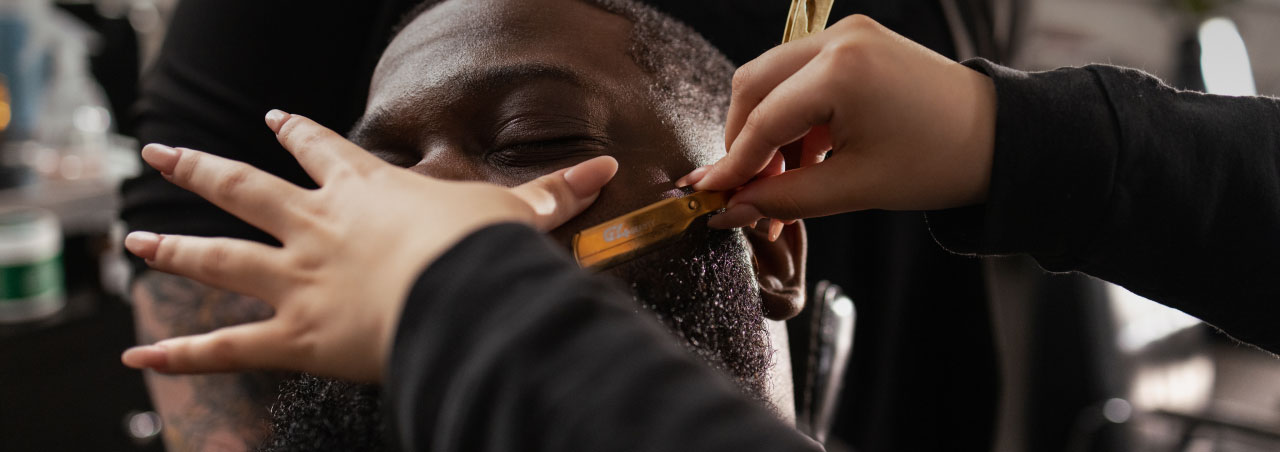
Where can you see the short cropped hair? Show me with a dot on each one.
(691, 77)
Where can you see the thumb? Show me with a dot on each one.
(562, 195)
(812, 191)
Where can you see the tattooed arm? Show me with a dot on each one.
(219, 412)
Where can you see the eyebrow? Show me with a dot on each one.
(380, 122)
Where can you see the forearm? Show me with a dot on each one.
(1174, 195)
(202, 412)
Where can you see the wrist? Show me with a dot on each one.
(980, 149)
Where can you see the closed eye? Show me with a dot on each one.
(534, 151)
(547, 151)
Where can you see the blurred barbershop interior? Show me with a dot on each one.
(903, 346)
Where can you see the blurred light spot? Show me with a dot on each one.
(1183, 386)
(1143, 321)
(92, 119)
(43, 159)
(842, 307)
(6, 113)
(1117, 410)
(143, 425)
(1224, 61)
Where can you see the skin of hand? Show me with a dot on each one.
(338, 283)
(908, 129)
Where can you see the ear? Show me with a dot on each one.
(780, 267)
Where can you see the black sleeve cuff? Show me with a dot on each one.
(1055, 148)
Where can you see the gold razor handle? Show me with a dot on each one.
(806, 17)
(624, 237)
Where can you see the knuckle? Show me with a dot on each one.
(373, 168)
(742, 79)
(756, 126)
(555, 187)
(754, 120)
(742, 172)
(230, 184)
(343, 172)
(309, 139)
(846, 52)
(215, 261)
(223, 350)
(307, 262)
(857, 22)
(189, 163)
(289, 130)
(165, 250)
(300, 327)
(788, 208)
(313, 213)
(300, 134)
(299, 323)
(521, 208)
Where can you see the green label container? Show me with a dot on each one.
(31, 278)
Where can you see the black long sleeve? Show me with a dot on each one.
(1174, 195)
(504, 344)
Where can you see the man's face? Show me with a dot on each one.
(504, 91)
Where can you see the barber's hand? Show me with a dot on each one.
(907, 128)
(352, 248)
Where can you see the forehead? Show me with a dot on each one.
(459, 38)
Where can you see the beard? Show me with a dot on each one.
(705, 293)
(702, 289)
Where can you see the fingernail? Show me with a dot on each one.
(693, 177)
(587, 178)
(739, 216)
(276, 119)
(161, 157)
(142, 244)
(775, 230)
(146, 357)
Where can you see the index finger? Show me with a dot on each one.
(755, 80)
(248, 193)
(787, 114)
(321, 151)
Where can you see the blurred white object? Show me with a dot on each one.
(1224, 61)
(1181, 384)
(74, 124)
(31, 279)
(1184, 386)
(1143, 321)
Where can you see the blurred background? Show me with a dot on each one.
(1082, 365)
